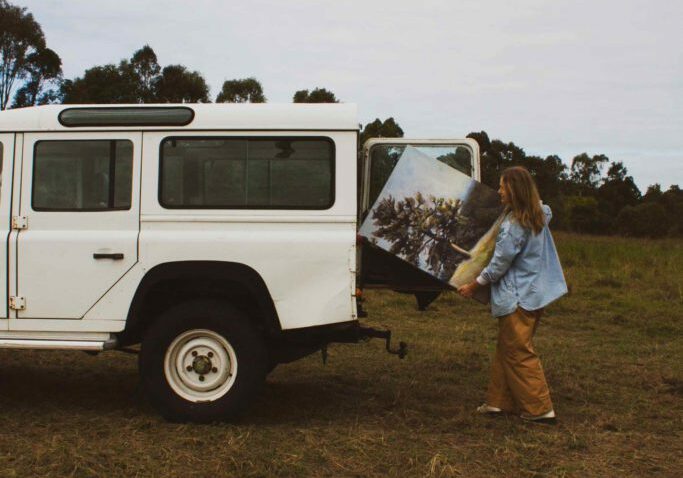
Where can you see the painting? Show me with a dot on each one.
(436, 218)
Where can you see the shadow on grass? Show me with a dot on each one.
(103, 385)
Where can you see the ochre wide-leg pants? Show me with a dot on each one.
(517, 379)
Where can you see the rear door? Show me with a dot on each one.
(79, 220)
(378, 268)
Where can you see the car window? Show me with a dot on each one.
(88, 175)
(254, 173)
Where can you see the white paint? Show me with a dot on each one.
(307, 258)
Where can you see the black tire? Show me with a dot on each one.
(194, 317)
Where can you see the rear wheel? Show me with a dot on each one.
(202, 361)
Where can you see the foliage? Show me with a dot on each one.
(179, 85)
(247, 90)
(138, 80)
(582, 198)
(388, 128)
(43, 74)
(644, 220)
(24, 57)
(318, 95)
(586, 172)
(424, 230)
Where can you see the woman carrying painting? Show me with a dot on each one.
(525, 276)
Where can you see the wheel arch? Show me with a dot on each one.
(169, 284)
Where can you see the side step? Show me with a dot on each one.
(91, 345)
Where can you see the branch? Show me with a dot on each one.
(460, 250)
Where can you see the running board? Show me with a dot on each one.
(90, 345)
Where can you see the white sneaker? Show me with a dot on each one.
(486, 409)
(548, 417)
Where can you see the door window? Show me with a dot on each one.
(383, 159)
(91, 175)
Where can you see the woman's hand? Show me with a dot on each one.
(468, 289)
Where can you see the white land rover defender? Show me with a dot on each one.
(222, 238)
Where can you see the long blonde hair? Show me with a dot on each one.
(525, 202)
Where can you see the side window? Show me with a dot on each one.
(383, 159)
(253, 173)
(90, 175)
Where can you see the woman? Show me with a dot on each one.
(525, 276)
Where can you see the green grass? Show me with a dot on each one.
(612, 350)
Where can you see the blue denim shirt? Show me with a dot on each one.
(525, 270)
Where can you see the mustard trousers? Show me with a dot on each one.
(517, 380)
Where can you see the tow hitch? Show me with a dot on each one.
(359, 333)
(370, 333)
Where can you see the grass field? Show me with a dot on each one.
(612, 351)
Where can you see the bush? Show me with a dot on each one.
(645, 220)
(583, 215)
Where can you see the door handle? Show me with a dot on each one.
(117, 256)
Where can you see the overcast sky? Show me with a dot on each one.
(554, 77)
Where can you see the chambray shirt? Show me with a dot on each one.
(525, 270)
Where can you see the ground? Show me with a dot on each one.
(612, 350)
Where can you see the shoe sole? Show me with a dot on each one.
(542, 421)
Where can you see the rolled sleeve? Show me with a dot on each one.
(509, 242)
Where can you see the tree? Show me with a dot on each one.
(44, 71)
(617, 190)
(179, 85)
(586, 172)
(107, 84)
(22, 46)
(648, 219)
(388, 128)
(318, 95)
(145, 66)
(137, 80)
(247, 90)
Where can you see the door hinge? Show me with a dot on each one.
(17, 303)
(19, 222)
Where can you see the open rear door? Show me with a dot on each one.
(378, 268)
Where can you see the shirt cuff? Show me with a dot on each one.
(481, 281)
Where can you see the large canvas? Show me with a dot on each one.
(435, 218)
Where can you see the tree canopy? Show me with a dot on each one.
(318, 95)
(137, 80)
(247, 90)
(388, 128)
(24, 56)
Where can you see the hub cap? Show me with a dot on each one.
(200, 365)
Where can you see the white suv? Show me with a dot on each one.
(220, 237)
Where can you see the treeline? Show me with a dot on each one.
(591, 195)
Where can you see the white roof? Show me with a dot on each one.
(229, 116)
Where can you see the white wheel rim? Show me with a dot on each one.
(200, 365)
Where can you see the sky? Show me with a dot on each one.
(554, 77)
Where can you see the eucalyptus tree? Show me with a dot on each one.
(23, 54)
(247, 90)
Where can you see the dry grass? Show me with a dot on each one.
(612, 351)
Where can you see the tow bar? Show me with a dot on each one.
(361, 334)
(370, 333)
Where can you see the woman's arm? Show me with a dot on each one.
(510, 240)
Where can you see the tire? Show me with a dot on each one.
(202, 361)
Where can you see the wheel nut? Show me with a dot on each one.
(194, 353)
(189, 368)
(210, 354)
(201, 378)
(214, 370)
